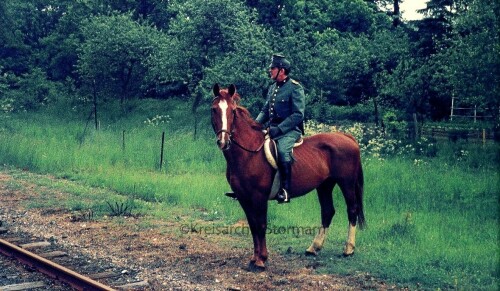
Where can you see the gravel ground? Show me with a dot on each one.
(167, 259)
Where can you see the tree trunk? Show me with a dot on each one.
(396, 14)
(375, 108)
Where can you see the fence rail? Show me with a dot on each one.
(456, 133)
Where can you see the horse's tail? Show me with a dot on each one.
(359, 197)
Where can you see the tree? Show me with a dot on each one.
(472, 63)
(268, 11)
(113, 56)
(213, 41)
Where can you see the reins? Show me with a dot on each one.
(231, 138)
(251, 151)
(241, 146)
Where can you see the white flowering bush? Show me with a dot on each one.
(461, 154)
(425, 147)
(7, 105)
(375, 143)
(157, 120)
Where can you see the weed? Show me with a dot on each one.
(78, 216)
(120, 209)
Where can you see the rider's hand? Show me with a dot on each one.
(274, 131)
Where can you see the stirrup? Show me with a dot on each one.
(282, 196)
(231, 195)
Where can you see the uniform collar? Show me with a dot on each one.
(279, 84)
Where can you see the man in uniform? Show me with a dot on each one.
(283, 114)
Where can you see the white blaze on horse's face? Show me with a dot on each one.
(223, 107)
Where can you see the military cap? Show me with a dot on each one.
(279, 61)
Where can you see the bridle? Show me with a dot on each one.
(231, 138)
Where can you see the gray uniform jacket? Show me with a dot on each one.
(284, 106)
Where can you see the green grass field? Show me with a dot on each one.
(432, 221)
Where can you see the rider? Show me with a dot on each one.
(283, 112)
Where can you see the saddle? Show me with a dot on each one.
(271, 156)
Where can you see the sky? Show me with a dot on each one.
(409, 7)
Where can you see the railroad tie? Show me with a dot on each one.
(23, 286)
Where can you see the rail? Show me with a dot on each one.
(77, 281)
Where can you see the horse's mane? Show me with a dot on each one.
(243, 112)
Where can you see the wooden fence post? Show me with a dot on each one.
(95, 104)
(123, 140)
(161, 154)
(415, 122)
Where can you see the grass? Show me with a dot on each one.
(432, 221)
(431, 225)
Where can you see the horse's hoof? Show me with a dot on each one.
(256, 268)
(349, 250)
(348, 253)
(311, 253)
(231, 195)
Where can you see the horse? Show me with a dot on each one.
(321, 162)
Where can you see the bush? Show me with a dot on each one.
(327, 113)
(395, 124)
(30, 92)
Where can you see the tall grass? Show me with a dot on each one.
(432, 219)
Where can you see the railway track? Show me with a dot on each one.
(62, 271)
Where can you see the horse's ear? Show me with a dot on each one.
(232, 90)
(216, 89)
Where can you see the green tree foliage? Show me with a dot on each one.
(472, 63)
(213, 41)
(114, 53)
(268, 11)
(344, 52)
(58, 53)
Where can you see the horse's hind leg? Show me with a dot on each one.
(350, 244)
(353, 210)
(327, 212)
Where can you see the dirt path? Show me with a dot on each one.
(166, 258)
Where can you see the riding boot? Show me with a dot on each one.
(285, 169)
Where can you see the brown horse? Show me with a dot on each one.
(322, 161)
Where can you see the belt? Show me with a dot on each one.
(276, 120)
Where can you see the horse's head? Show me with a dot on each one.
(223, 112)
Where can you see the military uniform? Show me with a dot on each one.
(283, 113)
(284, 109)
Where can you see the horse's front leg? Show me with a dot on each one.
(257, 220)
(259, 258)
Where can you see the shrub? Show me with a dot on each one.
(327, 113)
(29, 92)
(375, 143)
